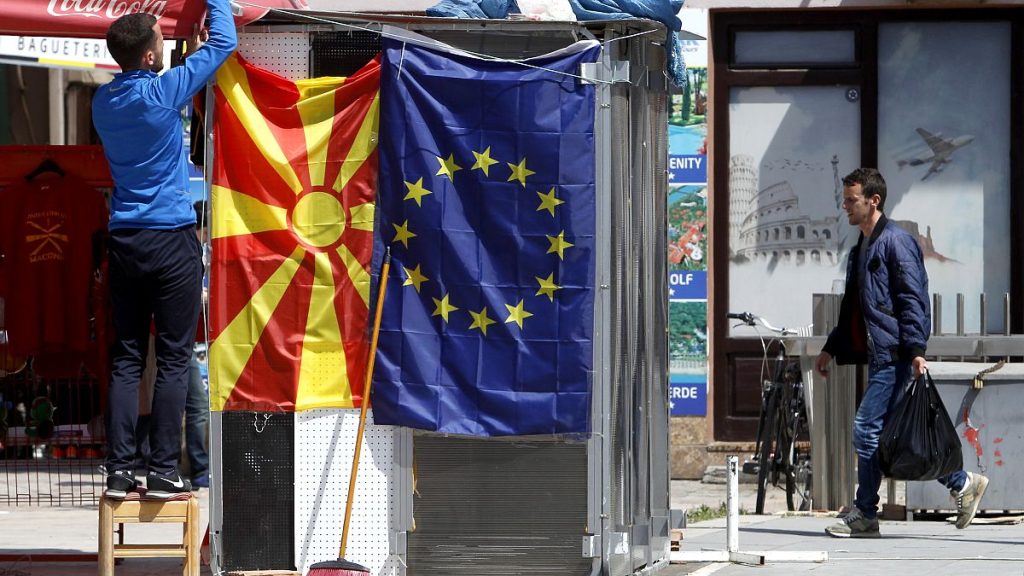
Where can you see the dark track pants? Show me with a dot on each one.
(155, 275)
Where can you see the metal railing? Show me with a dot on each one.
(688, 362)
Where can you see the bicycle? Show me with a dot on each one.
(778, 457)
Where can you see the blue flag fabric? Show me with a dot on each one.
(486, 199)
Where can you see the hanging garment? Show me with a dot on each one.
(51, 228)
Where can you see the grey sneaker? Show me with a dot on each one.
(967, 503)
(846, 510)
(854, 525)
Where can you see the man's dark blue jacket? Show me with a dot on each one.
(890, 318)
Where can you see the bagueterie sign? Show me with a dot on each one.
(57, 52)
(72, 53)
(90, 18)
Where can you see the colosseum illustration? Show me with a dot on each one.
(768, 225)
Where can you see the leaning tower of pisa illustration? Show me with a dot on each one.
(742, 190)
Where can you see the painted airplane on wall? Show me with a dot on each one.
(942, 150)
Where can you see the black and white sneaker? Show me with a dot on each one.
(164, 486)
(120, 483)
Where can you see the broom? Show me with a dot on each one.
(342, 567)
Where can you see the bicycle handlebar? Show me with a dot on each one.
(755, 321)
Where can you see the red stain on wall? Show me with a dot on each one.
(997, 441)
(971, 435)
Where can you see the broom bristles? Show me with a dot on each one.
(339, 567)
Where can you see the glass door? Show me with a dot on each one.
(944, 150)
(789, 147)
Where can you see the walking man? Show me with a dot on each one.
(884, 321)
(156, 269)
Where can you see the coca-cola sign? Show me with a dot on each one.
(90, 18)
(110, 9)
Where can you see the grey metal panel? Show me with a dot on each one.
(639, 242)
(964, 371)
(1002, 346)
(975, 346)
(403, 487)
(649, 130)
(639, 201)
(216, 488)
(639, 420)
(599, 449)
(619, 327)
(953, 346)
(495, 507)
(216, 440)
(832, 406)
(657, 298)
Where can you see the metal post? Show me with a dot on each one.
(1006, 314)
(732, 523)
(983, 323)
(732, 552)
(960, 314)
(56, 107)
(936, 314)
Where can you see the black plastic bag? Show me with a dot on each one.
(919, 441)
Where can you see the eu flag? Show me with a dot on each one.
(486, 199)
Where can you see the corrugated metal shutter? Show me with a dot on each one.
(498, 507)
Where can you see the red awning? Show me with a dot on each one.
(90, 18)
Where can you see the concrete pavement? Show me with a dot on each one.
(29, 533)
(932, 548)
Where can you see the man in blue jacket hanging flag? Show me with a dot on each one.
(487, 203)
(156, 271)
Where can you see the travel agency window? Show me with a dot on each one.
(803, 98)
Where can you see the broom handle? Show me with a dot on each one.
(367, 386)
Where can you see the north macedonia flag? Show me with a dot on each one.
(294, 174)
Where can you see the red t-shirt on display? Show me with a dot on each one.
(49, 228)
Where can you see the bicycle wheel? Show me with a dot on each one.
(761, 433)
(784, 447)
(789, 470)
(765, 458)
(798, 479)
(798, 462)
(787, 444)
(802, 473)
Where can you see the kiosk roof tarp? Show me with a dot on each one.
(90, 18)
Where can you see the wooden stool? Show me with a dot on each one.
(183, 508)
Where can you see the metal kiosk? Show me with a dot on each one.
(430, 504)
